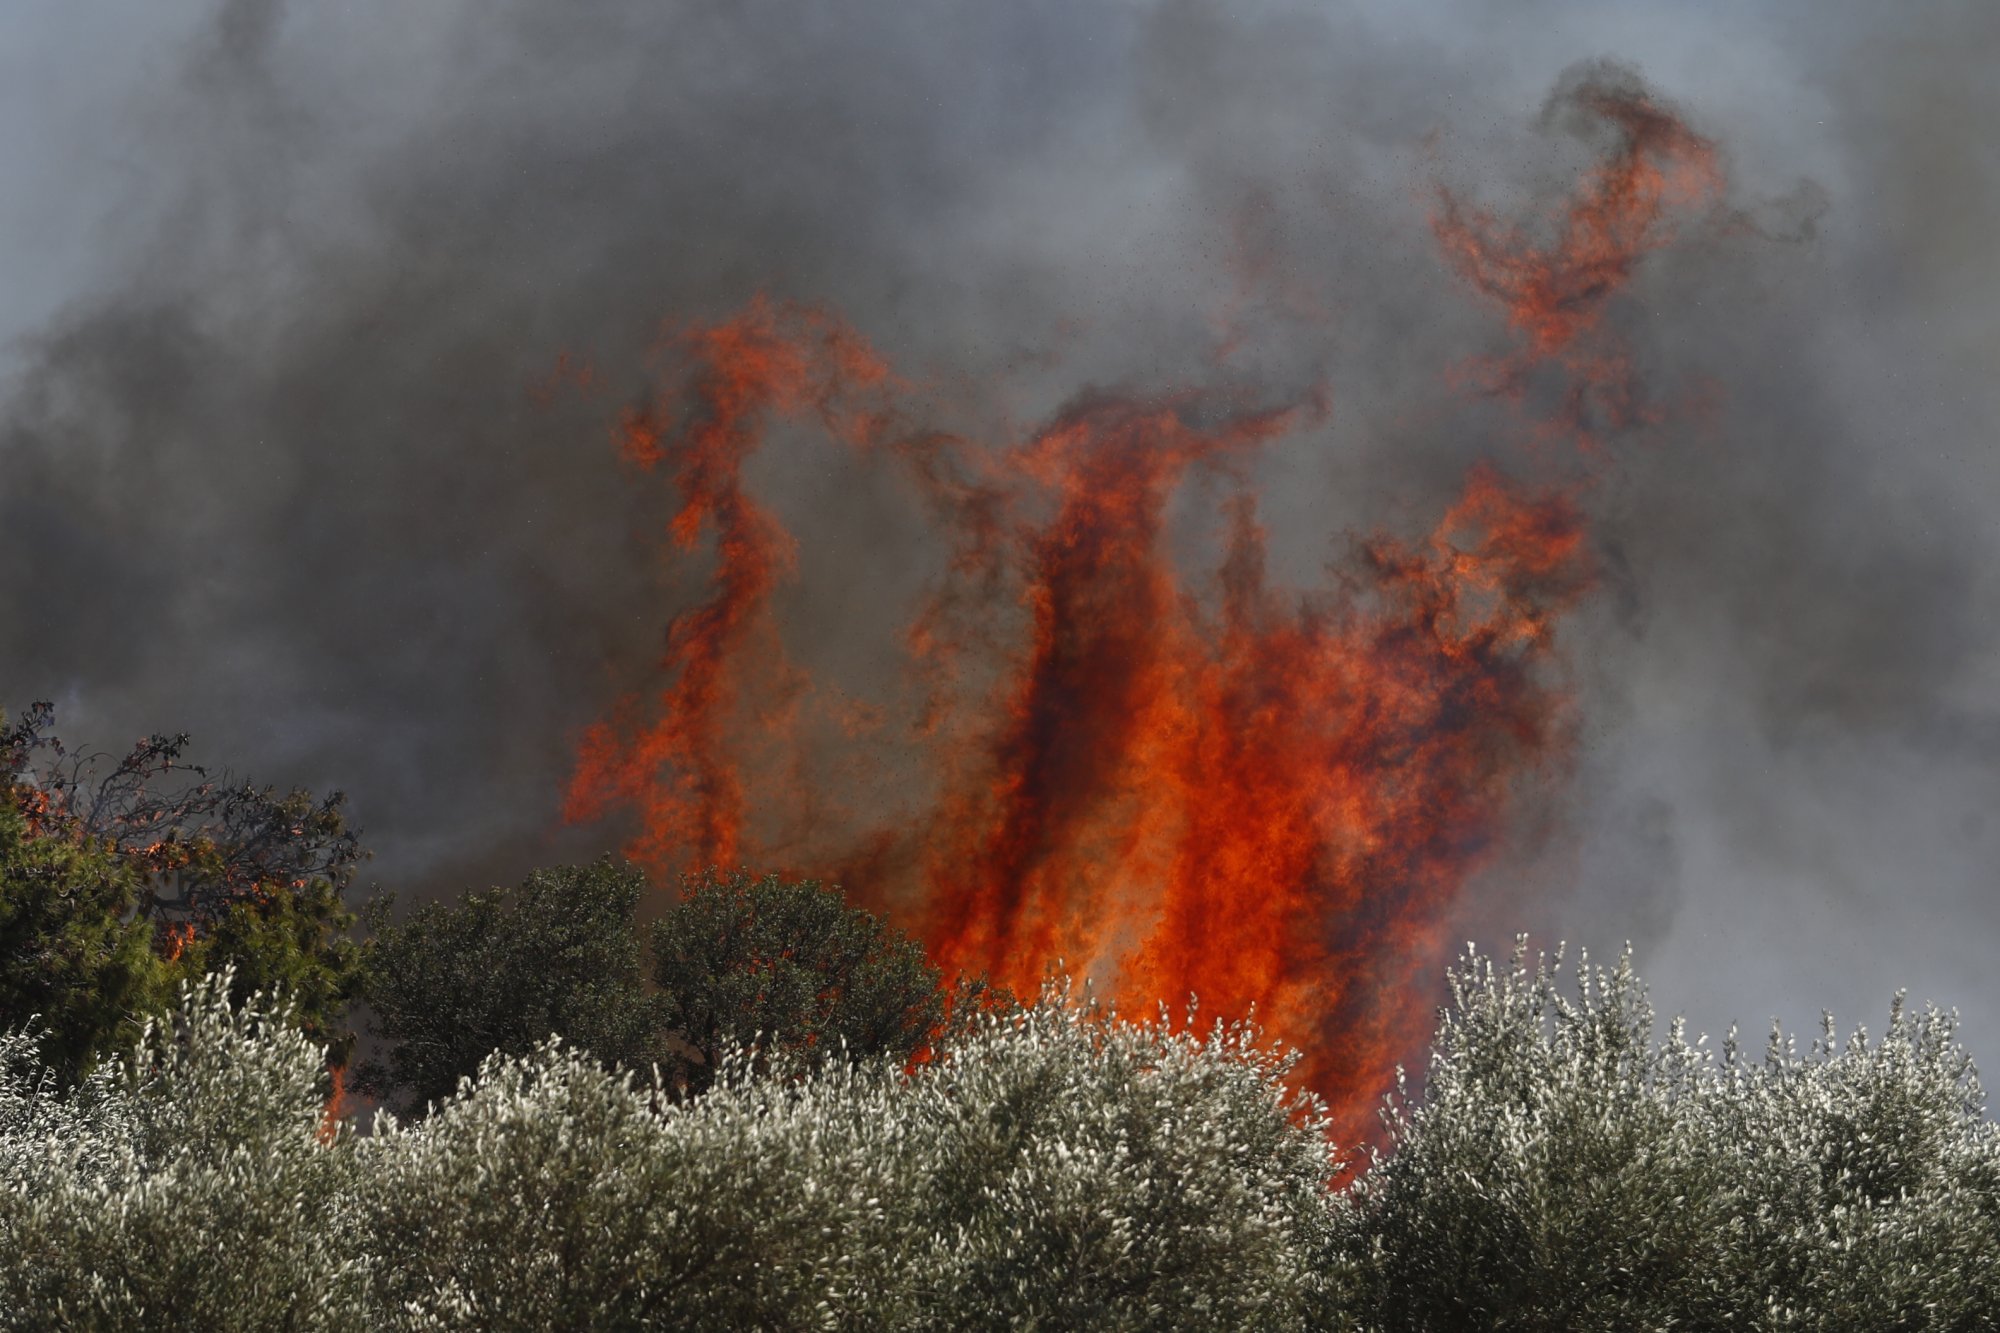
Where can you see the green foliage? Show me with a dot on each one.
(1564, 1172)
(294, 941)
(744, 962)
(1060, 1168)
(1052, 1167)
(1056, 1169)
(72, 957)
(501, 971)
(188, 1184)
(115, 882)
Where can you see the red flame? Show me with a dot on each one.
(678, 768)
(1555, 293)
(335, 1109)
(1178, 784)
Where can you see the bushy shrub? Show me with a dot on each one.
(1064, 1169)
(120, 878)
(190, 1184)
(1056, 1169)
(787, 969)
(74, 957)
(746, 963)
(1865, 1180)
(500, 971)
(552, 1194)
(1564, 1172)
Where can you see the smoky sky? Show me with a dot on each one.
(283, 462)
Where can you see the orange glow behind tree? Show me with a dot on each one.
(1261, 796)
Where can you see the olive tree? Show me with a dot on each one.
(775, 966)
(1564, 1170)
(503, 970)
(191, 1183)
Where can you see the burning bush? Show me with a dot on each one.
(117, 878)
(1161, 762)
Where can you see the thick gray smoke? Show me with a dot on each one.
(277, 465)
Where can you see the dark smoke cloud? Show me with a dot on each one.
(274, 467)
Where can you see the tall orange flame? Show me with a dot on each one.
(677, 768)
(1209, 786)
(1625, 207)
(336, 1107)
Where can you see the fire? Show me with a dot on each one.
(1178, 782)
(335, 1110)
(1627, 206)
(678, 769)
(177, 938)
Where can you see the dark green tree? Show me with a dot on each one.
(792, 968)
(502, 970)
(118, 878)
(73, 959)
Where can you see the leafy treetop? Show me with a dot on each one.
(118, 876)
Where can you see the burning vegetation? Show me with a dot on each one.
(1155, 765)
(1180, 780)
